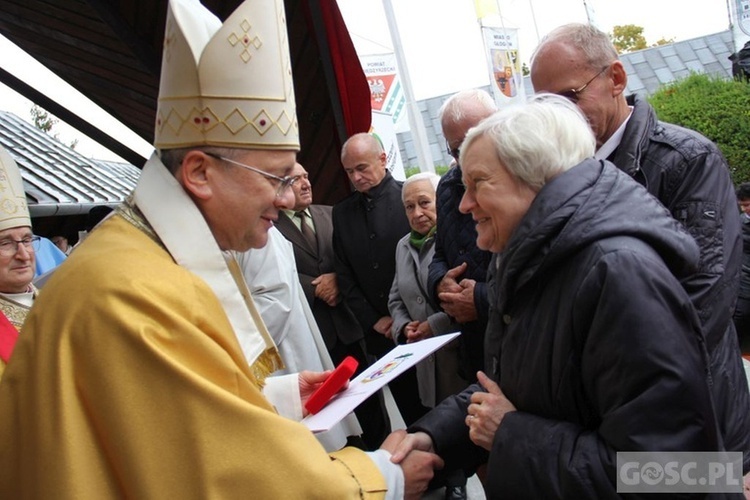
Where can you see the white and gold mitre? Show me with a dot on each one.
(14, 211)
(226, 85)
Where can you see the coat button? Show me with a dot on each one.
(420, 300)
(375, 265)
(461, 251)
(372, 236)
(506, 319)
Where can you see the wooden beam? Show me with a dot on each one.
(142, 51)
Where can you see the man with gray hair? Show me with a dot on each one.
(686, 172)
(458, 271)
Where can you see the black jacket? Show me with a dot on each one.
(366, 229)
(689, 175)
(456, 243)
(592, 338)
(742, 310)
(745, 272)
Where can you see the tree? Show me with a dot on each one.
(663, 41)
(42, 120)
(45, 122)
(718, 109)
(628, 37)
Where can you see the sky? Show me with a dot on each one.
(441, 41)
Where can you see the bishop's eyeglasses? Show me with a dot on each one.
(9, 246)
(282, 182)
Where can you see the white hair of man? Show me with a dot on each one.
(593, 44)
(431, 177)
(537, 140)
(456, 106)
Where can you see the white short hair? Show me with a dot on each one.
(432, 177)
(537, 140)
(457, 105)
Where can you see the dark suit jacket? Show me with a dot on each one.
(337, 324)
(366, 229)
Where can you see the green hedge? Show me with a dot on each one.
(718, 109)
(439, 169)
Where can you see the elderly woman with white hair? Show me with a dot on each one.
(414, 318)
(593, 346)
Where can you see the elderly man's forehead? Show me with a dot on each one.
(298, 169)
(561, 53)
(15, 231)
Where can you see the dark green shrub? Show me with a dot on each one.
(439, 169)
(442, 169)
(718, 109)
(409, 171)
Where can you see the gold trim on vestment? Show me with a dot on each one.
(269, 360)
(14, 311)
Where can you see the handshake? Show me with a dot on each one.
(415, 454)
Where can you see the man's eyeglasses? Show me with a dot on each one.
(572, 94)
(9, 247)
(454, 152)
(283, 182)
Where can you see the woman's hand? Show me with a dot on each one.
(486, 412)
(421, 332)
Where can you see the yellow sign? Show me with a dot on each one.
(486, 8)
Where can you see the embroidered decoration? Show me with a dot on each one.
(245, 40)
(169, 39)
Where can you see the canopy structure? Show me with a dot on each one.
(110, 50)
(58, 180)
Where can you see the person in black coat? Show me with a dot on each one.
(742, 309)
(458, 271)
(689, 176)
(587, 269)
(367, 226)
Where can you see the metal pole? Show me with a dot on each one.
(418, 133)
(533, 17)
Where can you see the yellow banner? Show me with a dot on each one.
(486, 8)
